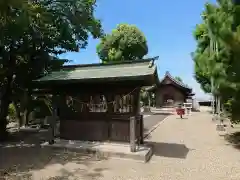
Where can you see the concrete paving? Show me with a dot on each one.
(104, 149)
(152, 120)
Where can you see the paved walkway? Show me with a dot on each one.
(185, 149)
(152, 120)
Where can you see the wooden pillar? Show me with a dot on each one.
(133, 134)
(110, 110)
(137, 107)
(110, 99)
(136, 112)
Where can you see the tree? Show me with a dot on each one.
(178, 79)
(31, 31)
(217, 53)
(22, 93)
(126, 42)
(201, 57)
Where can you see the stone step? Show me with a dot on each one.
(104, 149)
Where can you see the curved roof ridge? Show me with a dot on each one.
(167, 74)
(137, 61)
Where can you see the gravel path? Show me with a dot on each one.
(187, 149)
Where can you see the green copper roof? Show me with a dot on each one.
(124, 70)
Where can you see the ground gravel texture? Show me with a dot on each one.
(184, 149)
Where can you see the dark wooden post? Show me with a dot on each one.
(110, 99)
(136, 111)
(133, 134)
(110, 110)
(137, 107)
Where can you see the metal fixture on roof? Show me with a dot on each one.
(151, 63)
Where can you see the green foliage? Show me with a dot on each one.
(11, 112)
(178, 79)
(144, 97)
(217, 54)
(31, 31)
(126, 42)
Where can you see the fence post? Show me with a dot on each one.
(132, 134)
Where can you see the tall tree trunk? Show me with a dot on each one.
(6, 91)
(215, 104)
(26, 117)
(5, 101)
(25, 108)
(3, 119)
(18, 113)
(22, 109)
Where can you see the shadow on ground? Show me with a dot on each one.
(26, 159)
(171, 150)
(233, 139)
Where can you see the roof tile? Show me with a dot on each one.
(102, 71)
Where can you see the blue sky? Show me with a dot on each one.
(167, 25)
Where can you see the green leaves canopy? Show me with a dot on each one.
(220, 26)
(126, 42)
(31, 31)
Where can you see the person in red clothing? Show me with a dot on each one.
(180, 111)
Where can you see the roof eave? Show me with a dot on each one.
(99, 80)
(111, 63)
(174, 80)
